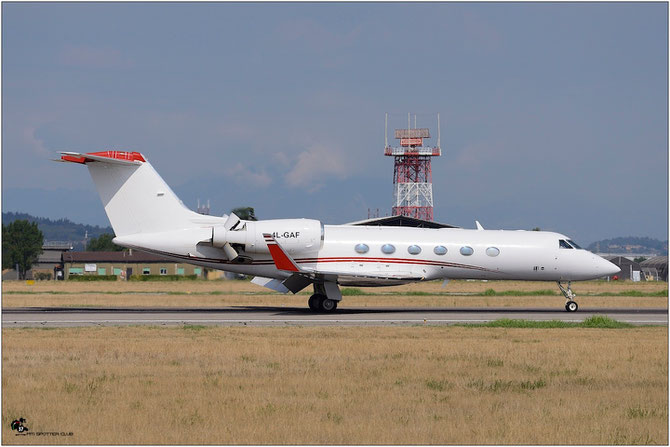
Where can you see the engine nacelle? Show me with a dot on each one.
(294, 235)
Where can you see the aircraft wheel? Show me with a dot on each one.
(315, 302)
(328, 305)
(571, 306)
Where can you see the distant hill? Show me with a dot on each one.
(61, 229)
(630, 244)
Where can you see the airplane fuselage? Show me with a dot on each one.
(375, 255)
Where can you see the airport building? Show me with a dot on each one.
(655, 268)
(124, 264)
(652, 269)
(630, 270)
(49, 264)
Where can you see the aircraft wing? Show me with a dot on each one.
(371, 280)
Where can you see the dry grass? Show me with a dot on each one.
(418, 385)
(243, 293)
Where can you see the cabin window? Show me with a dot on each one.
(564, 244)
(574, 244)
(414, 249)
(492, 251)
(361, 248)
(467, 251)
(440, 250)
(388, 249)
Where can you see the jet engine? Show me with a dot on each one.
(294, 235)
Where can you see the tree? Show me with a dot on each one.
(245, 213)
(536, 229)
(640, 259)
(21, 245)
(103, 243)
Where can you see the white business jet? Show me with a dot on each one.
(290, 254)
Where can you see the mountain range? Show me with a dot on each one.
(631, 245)
(60, 230)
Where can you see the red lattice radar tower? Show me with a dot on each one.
(412, 175)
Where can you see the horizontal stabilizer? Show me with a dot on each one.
(114, 157)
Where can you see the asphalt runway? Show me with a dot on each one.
(298, 316)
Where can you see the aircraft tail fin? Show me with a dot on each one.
(135, 197)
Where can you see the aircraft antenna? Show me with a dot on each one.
(386, 131)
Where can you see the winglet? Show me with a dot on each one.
(281, 259)
(479, 226)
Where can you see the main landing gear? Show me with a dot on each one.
(322, 300)
(570, 305)
(321, 303)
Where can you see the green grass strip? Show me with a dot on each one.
(596, 321)
(544, 292)
(630, 293)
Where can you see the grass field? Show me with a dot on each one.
(243, 293)
(388, 385)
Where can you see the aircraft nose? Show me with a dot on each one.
(607, 268)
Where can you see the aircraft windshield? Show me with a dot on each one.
(562, 243)
(574, 244)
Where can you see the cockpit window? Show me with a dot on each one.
(574, 244)
(562, 243)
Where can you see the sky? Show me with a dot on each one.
(553, 115)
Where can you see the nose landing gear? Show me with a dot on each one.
(570, 305)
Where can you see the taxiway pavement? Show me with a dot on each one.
(282, 316)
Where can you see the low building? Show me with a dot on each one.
(655, 268)
(49, 264)
(628, 268)
(124, 264)
(401, 221)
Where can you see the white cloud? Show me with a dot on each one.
(35, 144)
(314, 164)
(245, 175)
